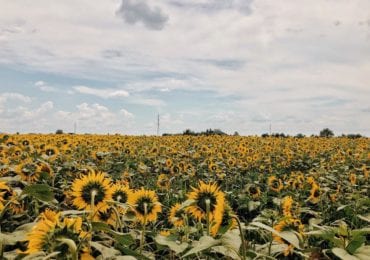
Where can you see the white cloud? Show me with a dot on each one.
(43, 86)
(126, 114)
(39, 83)
(278, 59)
(96, 118)
(140, 100)
(4, 97)
(20, 118)
(102, 93)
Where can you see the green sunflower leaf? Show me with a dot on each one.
(41, 192)
(174, 245)
(287, 235)
(204, 243)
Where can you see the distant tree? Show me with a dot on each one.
(265, 135)
(218, 132)
(352, 136)
(59, 131)
(211, 132)
(326, 132)
(236, 133)
(188, 132)
(299, 135)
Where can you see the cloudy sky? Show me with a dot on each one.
(239, 65)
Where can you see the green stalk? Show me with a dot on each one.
(118, 225)
(208, 209)
(144, 226)
(92, 205)
(244, 251)
(71, 245)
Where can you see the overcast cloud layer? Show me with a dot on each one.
(239, 65)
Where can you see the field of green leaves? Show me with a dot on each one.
(181, 197)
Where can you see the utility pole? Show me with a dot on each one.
(158, 124)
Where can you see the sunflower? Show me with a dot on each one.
(92, 185)
(45, 168)
(169, 163)
(231, 161)
(125, 177)
(50, 152)
(38, 237)
(352, 178)
(287, 203)
(227, 222)
(9, 196)
(175, 169)
(213, 167)
(366, 172)
(206, 192)
(5, 193)
(163, 182)
(28, 170)
(310, 180)
(108, 216)
(176, 215)
(128, 151)
(314, 194)
(165, 233)
(253, 191)
(145, 205)
(25, 143)
(288, 224)
(120, 193)
(182, 165)
(189, 170)
(275, 184)
(50, 227)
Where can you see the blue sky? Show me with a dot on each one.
(239, 65)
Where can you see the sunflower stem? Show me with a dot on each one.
(71, 246)
(208, 209)
(241, 237)
(118, 225)
(144, 225)
(186, 227)
(92, 206)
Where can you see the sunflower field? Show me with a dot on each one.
(183, 197)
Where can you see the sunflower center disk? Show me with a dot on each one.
(89, 189)
(141, 208)
(202, 198)
(120, 196)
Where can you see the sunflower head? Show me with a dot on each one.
(288, 224)
(352, 178)
(275, 184)
(145, 205)
(50, 152)
(206, 192)
(50, 228)
(28, 170)
(92, 189)
(120, 193)
(315, 194)
(227, 222)
(107, 216)
(163, 182)
(176, 215)
(287, 204)
(253, 191)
